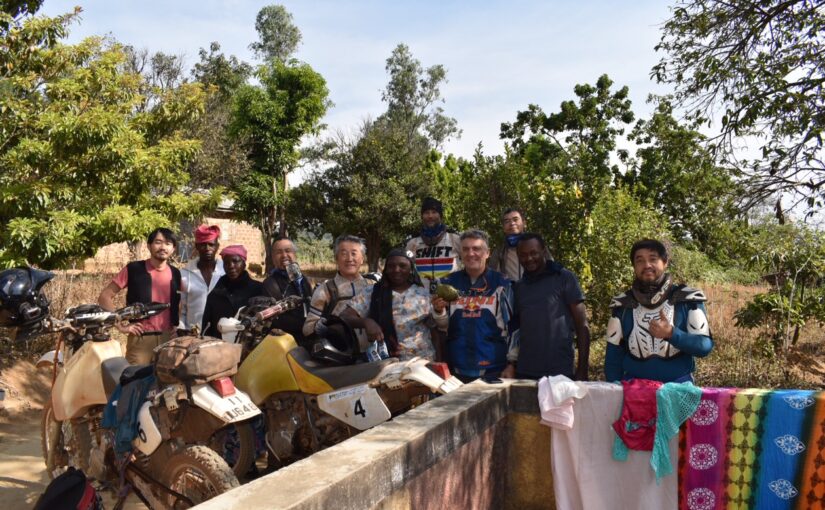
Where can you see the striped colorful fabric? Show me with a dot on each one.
(749, 448)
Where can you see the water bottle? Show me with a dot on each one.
(377, 351)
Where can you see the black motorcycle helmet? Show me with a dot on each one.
(22, 301)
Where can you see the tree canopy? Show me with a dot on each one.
(85, 160)
(371, 184)
(760, 66)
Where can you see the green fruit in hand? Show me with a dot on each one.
(446, 292)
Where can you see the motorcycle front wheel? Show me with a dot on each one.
(198, 473)
(52, 443)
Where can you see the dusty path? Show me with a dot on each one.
(22, 471)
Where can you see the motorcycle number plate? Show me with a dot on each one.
(357, 406)
(231, 409)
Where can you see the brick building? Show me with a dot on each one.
(111, 258)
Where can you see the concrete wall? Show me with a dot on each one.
(480, 447)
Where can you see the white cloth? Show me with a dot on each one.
(193, 292)
(556, 396)
(585, 476)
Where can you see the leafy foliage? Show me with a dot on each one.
(793, 257)
(222, 160)
(86, 162)
(761, 64)
(674, 173)
(278, 36)
(272, 118)
(375, 181)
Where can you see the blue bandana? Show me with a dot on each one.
(432, 232)
(512, 240)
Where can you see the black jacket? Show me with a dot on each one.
(278, 286)
(226, 299)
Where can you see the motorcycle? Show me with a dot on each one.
(309, 404)
(166, 468)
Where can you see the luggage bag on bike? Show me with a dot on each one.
(195, 360)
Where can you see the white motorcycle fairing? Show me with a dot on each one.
(235, 407)
(358, 406)
(229, 327)
(416, 370)
(148, 437)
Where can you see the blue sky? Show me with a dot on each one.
(500, 56)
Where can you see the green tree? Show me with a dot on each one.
(272, 118)
(792, 259)
(374, 182)
(761, 64)
(674, 173)
(365, 192)
(222, 160)
(619, 220)
(569, 158)
(278, 37)
(84, 163)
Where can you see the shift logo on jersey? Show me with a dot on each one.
(434, 252)
(472, 306)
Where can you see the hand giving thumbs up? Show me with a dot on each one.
(661, 327)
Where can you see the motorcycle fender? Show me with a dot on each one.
(417, 371)
(47, 360)
(231, 409)
(149, 437)
(358, 406)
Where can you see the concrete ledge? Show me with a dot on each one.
(448, 449)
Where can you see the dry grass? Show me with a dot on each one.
(738, 358)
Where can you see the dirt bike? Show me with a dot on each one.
(165, 468)
(309, 404)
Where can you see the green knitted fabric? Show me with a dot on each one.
(675, 403)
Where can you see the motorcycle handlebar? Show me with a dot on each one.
(278, 308)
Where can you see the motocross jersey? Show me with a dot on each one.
(478, 335)
(436, 260)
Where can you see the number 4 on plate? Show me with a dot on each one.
(359, 409)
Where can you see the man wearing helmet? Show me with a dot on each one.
(147, 281)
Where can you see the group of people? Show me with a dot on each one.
(509, 312)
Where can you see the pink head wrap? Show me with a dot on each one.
(206, 233)
(235, 249)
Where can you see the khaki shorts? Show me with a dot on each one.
(139, 348)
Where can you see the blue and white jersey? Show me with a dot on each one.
(477, 323)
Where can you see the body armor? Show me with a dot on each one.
(640, 344)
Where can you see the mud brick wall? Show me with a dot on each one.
(113, 257)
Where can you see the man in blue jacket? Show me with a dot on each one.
(477, 322)
(657, 328)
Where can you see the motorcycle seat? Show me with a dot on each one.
(339, 376)
(112, 368)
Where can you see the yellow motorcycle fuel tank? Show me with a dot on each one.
(269, 369)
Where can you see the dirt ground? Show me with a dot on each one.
(22, 470)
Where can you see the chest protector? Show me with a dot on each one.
(638, 341)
